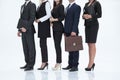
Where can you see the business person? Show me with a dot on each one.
(56, 19)
(26, 30)
(71, 29)
(92, 11)
(42, 18)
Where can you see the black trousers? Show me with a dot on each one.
(73, 59)
(29, 48)
(57, 35)
(44, 51)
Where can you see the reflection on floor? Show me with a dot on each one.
(57, 75)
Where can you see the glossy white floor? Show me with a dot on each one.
(108, 51)
(58, 75)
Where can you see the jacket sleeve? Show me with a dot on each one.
(32, 15)
(84, 11)
(18, 26)
(98, 11)
(61, 12)
(76, 19)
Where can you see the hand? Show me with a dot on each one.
(73, 34)
(51, 19)
(19, 34)
(23, 29)
(87, 16)
(37, 20)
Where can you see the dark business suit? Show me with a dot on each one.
(26, 20)
(58, 12)
(71, 25)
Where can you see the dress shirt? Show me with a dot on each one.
(71, 4)
(27, 2)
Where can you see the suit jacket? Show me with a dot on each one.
(58, 12)
(95, 11)
(27, 17)
(72, 19)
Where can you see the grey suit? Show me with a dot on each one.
(26, 20)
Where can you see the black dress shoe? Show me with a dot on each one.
(73, 69)
(67, 68)
(23, 67)
(28, 69)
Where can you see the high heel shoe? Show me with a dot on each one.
(42, 68)
(57, 67)
(92, 68)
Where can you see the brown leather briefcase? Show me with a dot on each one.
(73, 43)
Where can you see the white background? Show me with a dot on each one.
(108, 42)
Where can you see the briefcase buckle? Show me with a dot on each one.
(74, 44)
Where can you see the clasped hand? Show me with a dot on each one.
(87, 16)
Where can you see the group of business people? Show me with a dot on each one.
(46, 18)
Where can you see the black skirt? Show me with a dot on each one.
(91, 33)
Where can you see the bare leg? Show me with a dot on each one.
(92, 53)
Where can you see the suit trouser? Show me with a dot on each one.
(29, 48)
(57, 35)
(73, 57)
(44, 51)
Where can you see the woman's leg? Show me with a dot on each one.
(57, 41)
(92, 53)
(44, 51)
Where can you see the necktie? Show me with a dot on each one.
(67, 8)
(25, 4)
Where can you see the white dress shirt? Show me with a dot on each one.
(71, 4)
(27, 2)
(48, 12)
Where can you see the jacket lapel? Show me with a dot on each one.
(23, 7)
